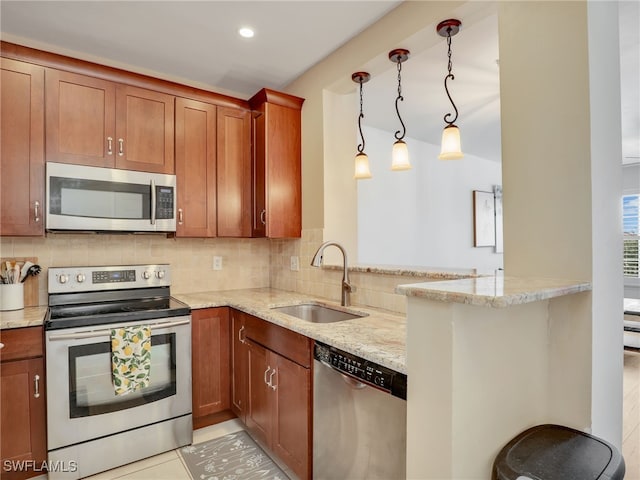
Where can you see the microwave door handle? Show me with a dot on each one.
(153, 202)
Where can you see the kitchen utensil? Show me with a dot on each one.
(32, 272)
(25, 269)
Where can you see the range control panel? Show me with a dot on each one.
(364, 371)
(113, 277)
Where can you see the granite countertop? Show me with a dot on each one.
(495, 291)
(26, 317)
(380, 336)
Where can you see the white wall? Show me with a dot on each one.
(422, 216)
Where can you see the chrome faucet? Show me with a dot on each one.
(346, 286)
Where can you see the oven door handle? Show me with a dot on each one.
(104, 333)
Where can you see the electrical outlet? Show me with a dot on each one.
(295, 263)
(217, 263)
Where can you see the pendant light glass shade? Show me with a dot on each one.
(451, 149)
(400, 156)
(362, 167)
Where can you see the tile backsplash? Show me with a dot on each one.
(246, 263)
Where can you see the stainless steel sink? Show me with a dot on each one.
(317, 313)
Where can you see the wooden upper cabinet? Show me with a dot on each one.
(196, 168)
(90, 121)
(144, 130)
(81, 120)
(21, 149)
(277, 170)
(234, 172)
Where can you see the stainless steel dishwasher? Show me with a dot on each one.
(359, 418)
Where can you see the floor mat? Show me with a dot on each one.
(234, 456)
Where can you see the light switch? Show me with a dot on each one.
(295, 263)
(217, 263)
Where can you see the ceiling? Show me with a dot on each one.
(197, 43)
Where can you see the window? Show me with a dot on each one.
(630, 221)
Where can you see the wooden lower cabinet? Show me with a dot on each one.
(279, 394)
(239, 359)
(210, 359)
(23, 436)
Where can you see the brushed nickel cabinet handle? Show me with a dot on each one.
(36, 386)
(121, 147)
(180, 216)
(273, 387)
(36, 211)
(109, 145)
(265, 375)
(240, 334)
(263, 217)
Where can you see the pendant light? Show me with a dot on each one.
(400, 154)
(362, 160)
(451, 149)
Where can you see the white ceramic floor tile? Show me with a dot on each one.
(172, 470)
(135, 466)
(215, 431)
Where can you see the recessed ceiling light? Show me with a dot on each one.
(246, 32)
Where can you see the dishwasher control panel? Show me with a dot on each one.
(365, 371)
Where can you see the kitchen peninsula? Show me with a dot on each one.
(487, 358)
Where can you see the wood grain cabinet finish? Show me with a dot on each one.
(22, 402)
(90, 121)
(234, 172)
(21, 149)
(279, 396)
(277, 188)
(196, 168)
(210, 365)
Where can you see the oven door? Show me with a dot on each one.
(81, 400)
(108, 199)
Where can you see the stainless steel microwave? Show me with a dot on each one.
(107, 199)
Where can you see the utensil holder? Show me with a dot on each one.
(11, 296)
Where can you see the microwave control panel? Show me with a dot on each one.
(164, 202)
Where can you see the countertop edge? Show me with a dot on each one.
(495, 291)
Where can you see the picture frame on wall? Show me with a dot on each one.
(484, 219)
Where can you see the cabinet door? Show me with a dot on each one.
(259, 415)
(234, 173)
(80, 116)
(22, 414)
(283, 172)
(196, 168)
(210, 361)
(259, 220)
(21, 149)
(239, 359)
(292, 423)
(144, 130)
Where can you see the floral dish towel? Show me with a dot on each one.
(130, 358)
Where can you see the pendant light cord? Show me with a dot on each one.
(361, 145)
(449, 76)
(400, 98)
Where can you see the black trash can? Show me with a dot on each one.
(554, 452)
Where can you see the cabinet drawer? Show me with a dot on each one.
(21, 343)
(289, 344)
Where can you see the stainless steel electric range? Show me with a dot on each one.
(89, 427)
